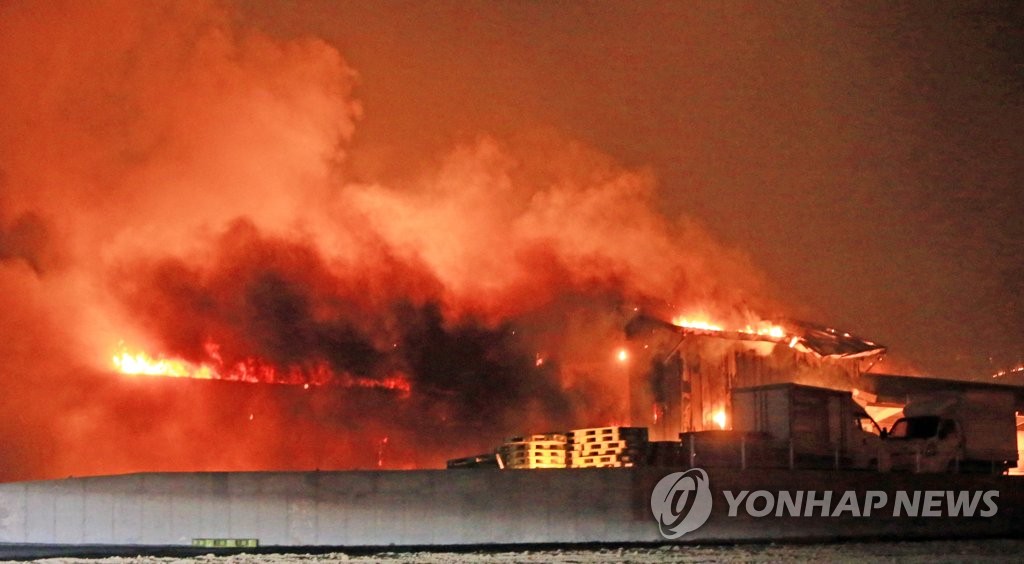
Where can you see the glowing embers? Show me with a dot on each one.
(1015, 370)
(250, 370)
(395, 383)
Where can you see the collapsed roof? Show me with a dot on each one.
(829, 342)
(821, 341)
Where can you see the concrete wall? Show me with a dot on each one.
(326, 508)
(445, 508)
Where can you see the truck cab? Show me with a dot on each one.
(966, 432)
(926, 443)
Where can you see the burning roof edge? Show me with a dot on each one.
(824, 342)
(829, 342)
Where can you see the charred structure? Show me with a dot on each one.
(683, 377)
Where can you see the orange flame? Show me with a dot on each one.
(760, 329)
(250, 371)
(1015, 370)
(704, 325)
(141, 363)
(719, 418)
(765, 330)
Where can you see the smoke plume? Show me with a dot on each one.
(175, 182)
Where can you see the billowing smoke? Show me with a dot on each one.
(173, 181)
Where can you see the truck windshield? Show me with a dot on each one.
(915, 428)
(867, 424)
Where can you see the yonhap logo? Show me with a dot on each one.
(681, 502)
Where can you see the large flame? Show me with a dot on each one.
(759, 328)
(140, 363)
(704, 325)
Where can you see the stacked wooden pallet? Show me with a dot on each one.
(546, 450)
(606, 447)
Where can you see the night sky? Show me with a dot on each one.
(868, 157)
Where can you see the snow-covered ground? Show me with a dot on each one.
(930, 551)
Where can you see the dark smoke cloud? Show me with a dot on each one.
(266, 297)
(29, 238)
(278, 302)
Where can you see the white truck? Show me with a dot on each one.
(818, 427)
(966, 431)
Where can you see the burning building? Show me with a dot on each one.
(684, 371)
